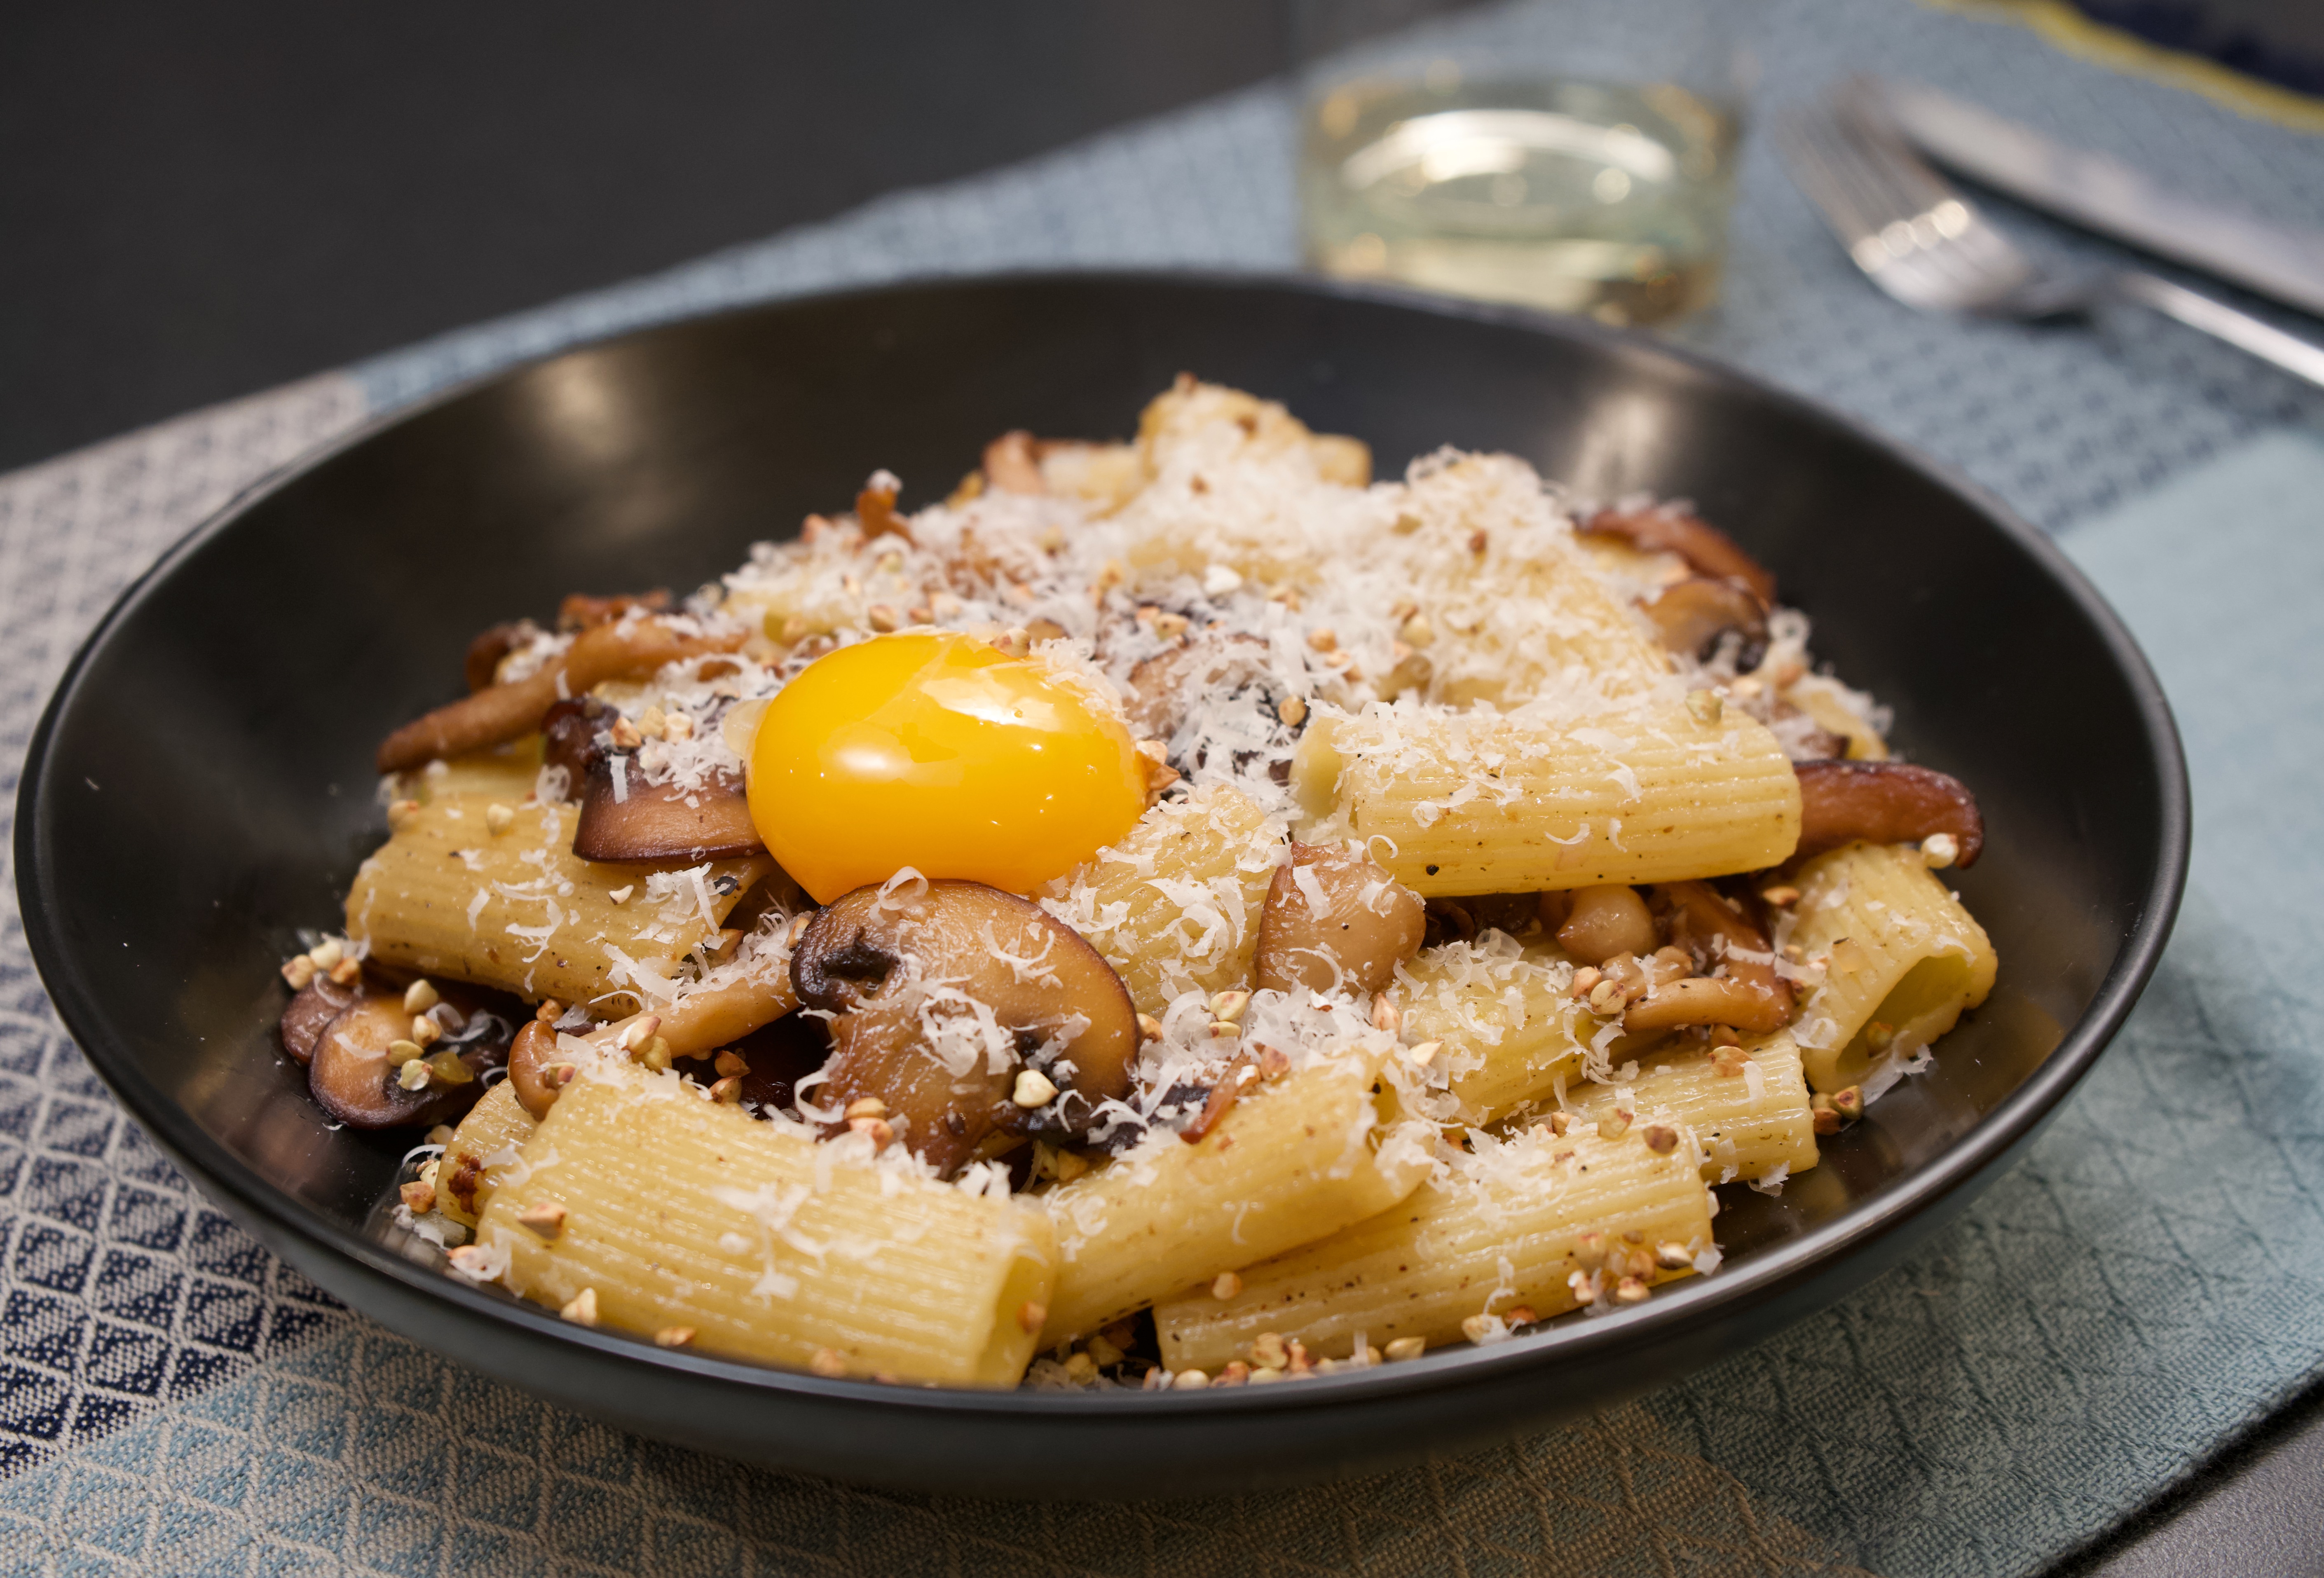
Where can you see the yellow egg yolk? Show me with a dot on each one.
(938, 752)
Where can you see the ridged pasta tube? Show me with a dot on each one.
(1898, 950)
(1505, 1230)
(451, 893)
(1175, 906)
(1511, 1033)
(487, 1143)
(1750, 1121)
(674, 1212)
(1454, 803)
(1292, 1161)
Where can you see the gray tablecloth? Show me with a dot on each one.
(2150, 1281)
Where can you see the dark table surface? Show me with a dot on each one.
(200, 203)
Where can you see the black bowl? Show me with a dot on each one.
(201, 786)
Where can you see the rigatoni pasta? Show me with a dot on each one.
(1526, 1228)
(641, 1203)
(1177, 912)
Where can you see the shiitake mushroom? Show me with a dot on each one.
(662, 822)
(1884, 802)
(308, 1013)
(1707, 550)
(1690, 617)
(1365, 924)
(1721, 933)
(943, 995)
(352, 1079)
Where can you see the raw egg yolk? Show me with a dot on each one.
(939, 752)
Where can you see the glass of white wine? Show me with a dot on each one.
(1562, 155)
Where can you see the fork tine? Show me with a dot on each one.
(1857, 204)
(1906, 228)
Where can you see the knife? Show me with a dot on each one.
(2103, 195)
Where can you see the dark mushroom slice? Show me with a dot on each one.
(352, 1077)
(483, 663)
(1165, 687)
(779, 1055)
(305, 1015)
(568, 738)
(662, 822)
(1884, 802)
(1722, 935)
(580, 611)
(1335, 922)
(1708, 551)
(500, 712)
(944, 996)
(1690, 617)
(1601, 922)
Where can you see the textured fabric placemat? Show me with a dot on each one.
(172, 1400)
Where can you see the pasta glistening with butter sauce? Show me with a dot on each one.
(1174, 914)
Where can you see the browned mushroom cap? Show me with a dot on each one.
(484, 653)
(500, 712)
(944, 996)
(662, 822)
(1164, 687)
(305, 1016)
(1884, 802)
(1699, 610)
(580, 611)
(1708, 551)
(535, 1067)
(1012, 464)
(1603, 921)
(1335, 922)
(352, 1079)
(568, 739)
(1749, 995)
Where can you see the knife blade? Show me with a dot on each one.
(2104, 195)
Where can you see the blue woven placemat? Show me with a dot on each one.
(2150, 1281)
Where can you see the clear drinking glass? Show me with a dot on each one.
(1564, 154)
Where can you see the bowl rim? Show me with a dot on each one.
(1758, 1278)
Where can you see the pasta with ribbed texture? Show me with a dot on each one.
(1481, 803)
(1504, 1231)
(1896, 950)
(1292, 1160)
(1750, 1121)
(511, 907)
(678, 1211)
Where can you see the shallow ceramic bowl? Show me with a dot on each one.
(201, 786)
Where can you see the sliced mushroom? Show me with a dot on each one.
(1749, 995)
(535, 1067)
(1166, 687)
(502, 713)
(352, 1078)
(581, 612)
(1335, 922)
(1603, 921)
(1012, 464)
(568, 739)
(662, 822)
(1884, 802)
(1693, 614)
(779, 1055)
(1708, 551)
(485, 652)
(305, 1015)
(946, 995)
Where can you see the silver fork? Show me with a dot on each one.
(1924, 243)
